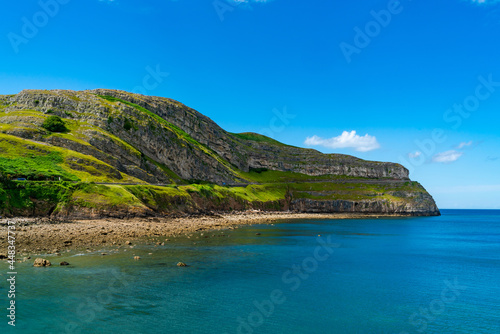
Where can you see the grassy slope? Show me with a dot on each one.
(25, 158)
(258, 138)
(38, 161)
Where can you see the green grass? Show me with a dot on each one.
(104, 197)
(272, 176)
(32, 166)
(161, 199)
(258, 138)
(36, 161)
(353, 191)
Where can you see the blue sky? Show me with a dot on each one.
(415, 82)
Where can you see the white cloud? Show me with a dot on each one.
(346, 140)
(464, 144)
(415, 155)
(447, 157)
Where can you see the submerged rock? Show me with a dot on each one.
(39, 262)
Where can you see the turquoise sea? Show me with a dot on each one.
(385, 275)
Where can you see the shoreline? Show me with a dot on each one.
(36, 236)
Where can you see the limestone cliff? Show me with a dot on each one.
(119, 137)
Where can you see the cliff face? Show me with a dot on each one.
(115, 136)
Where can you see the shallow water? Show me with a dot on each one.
(397, 275)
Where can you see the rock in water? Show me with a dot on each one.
(39, 262)
(137, 257)
(64, 263)
(181, 264)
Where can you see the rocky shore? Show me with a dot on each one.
(45, 236)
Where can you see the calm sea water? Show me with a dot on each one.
(398, 275)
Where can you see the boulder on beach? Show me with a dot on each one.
(181, 264)
(39, 262)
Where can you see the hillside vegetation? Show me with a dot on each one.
(112, 153)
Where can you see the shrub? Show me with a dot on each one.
(127, 125)
(54, 124)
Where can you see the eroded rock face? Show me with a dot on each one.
(374, 206)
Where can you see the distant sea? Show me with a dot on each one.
(385, 275)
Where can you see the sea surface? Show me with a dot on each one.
(385, 275)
